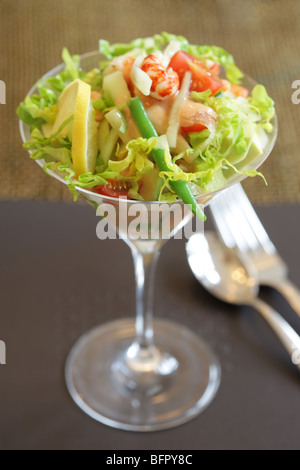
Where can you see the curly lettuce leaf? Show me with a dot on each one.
(238, 123)
(262, 102)
(60, 154)
(72, 64)
(35, 111)
(89, 180)
(147, 45)
(240, 134)
(86, 180)
(37, 140)
(137, 160)
(41, 108)
(70, 72)
(175, 172)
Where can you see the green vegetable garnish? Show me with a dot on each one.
(147, 130)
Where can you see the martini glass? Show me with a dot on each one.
(143, 374)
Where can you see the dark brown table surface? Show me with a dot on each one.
(58, 280)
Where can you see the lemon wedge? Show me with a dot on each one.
(82, 129)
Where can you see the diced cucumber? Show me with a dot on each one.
(109, 145)
(114, 84)
(103, 132)
(116, 119)
(217, 183)
(256, 146)
(182, 146)
(151, 184)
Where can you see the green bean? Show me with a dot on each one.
(147, 130)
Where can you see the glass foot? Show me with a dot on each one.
(93, 371)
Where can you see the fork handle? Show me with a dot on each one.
(289, 291)
(287, 335)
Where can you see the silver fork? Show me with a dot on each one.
(239, 226)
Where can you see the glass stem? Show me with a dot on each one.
(145, 267)
(144, 366)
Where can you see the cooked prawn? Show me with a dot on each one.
(123, 64)
(193, 113)
(165, 82)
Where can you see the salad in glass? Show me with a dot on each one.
(159, 119)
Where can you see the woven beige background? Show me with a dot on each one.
(263, 36)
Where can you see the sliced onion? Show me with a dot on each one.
(140, 78)
(174, 119)
(170, 50)
(211, 126)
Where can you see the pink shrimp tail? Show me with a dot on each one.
(164, 82)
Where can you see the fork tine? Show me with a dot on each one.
(227, 214)
(217, 210)
(238, 223)
(241, 221)
(254, 222)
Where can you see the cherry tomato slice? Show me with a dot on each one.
(214, 68)
(202, 78)
(197, 127)
(113, 188)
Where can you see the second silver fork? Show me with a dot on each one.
(239, 226)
